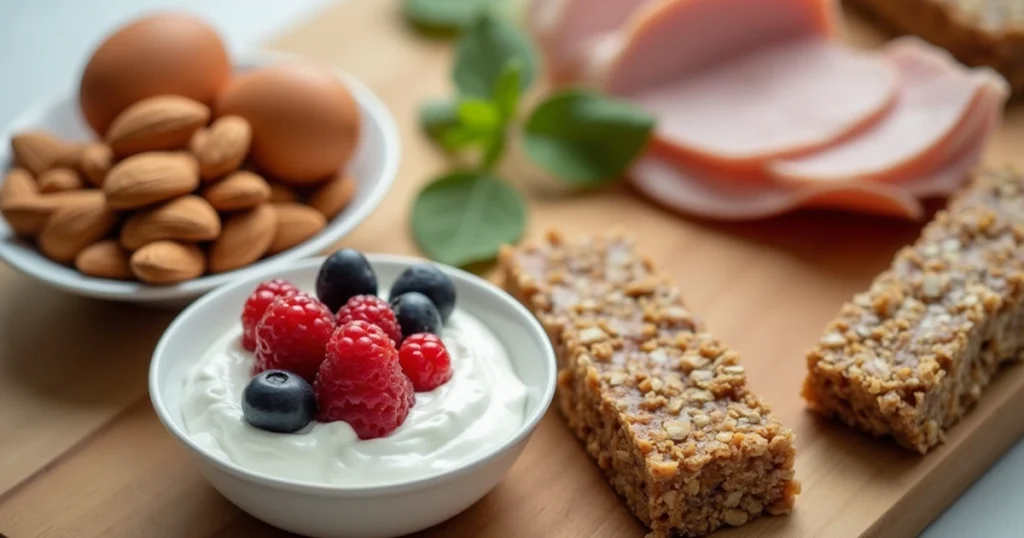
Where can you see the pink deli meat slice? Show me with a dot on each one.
(700, 192)
(570, 32)
(787, 99)
(965, 152)
(671, 40)
(939, 102)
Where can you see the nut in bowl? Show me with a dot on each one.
(341, 419)
(135, 195)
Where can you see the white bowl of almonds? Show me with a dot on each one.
(174, 199)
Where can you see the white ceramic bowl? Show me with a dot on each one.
(373, 166)
(325, 511)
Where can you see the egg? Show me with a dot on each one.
(305, 123)
(161, 54)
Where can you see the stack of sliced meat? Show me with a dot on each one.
(761, 110)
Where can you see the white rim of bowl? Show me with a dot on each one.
(139, 292)
(525, 430)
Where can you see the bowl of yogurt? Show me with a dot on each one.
(323, 480)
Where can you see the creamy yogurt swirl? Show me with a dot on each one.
(480, 408)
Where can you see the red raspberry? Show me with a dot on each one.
(374, 310)
(293, 335)
(362, 383)
(257, 304)
(426, 361)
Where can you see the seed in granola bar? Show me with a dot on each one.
(833, 340)
(592, 335)
(677, 430)
(931, 286)
(736, 517)
(700, 395)
(701, 375)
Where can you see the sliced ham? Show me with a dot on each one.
(740, 90)
(669, 40)
(786, 99)
(941, 107)
(694, 189)
(570, 32)
(702, 193)
(579, 37)
(965, 152)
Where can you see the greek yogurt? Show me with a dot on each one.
(480, 408)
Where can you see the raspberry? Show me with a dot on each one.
(361, 382)
(293, 335)
(426, 361)
(257, 304)
(373, 310)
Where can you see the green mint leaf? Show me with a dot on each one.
(480, 115)
(464, 217)
(507, 90)
(461, 137)
(482, 52)
(438, 116)
(493, 150)
(585, 138)
(444, 14)
(459, 125)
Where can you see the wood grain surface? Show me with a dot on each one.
(83, 455)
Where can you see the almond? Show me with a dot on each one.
(27, 216)
(240, 190)
(295, 224)
(151, 177)
(18, 185)
(156, 123)
(244, 239)
(95, 161)
(221, 149)
(189, 218)
(198, 140)
(167, 262)
(105, 259)
(18, 188)
(59, 180)
(333, 196)
(38, 151)
(281, 194)
(73, 227)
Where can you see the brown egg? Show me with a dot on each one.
(162, 54)
(305, 123)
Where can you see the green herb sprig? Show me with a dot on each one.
(579, 136)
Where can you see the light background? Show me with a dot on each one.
(43, 44)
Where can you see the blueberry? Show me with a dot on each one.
(416, 314)
(344, 274)
(427, 279)
(278, 401)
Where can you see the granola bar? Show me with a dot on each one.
(909, 357)
(978, 32)
(660, 404)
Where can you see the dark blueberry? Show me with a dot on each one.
(344, 274)
(416, 314)
(278, 401)
(427, 279)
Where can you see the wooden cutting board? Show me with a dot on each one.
(83, 454)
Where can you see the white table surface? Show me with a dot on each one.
(42, 47)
